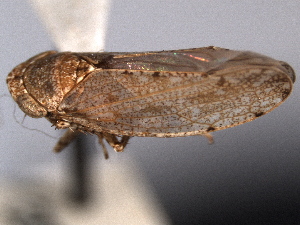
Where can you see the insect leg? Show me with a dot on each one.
(105, 152)
(65, 140)
(209, 137)
(113, 141)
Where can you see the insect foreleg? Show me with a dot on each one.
(65, 140)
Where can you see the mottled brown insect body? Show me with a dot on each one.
(153, 94)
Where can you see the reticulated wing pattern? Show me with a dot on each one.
(170, 104)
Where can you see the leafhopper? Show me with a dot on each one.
(149, 94)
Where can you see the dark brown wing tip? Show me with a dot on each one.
(290, 70)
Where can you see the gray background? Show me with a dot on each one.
(250, 175)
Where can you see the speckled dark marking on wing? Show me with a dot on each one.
(176, 93)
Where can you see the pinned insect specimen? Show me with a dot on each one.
(152, 94)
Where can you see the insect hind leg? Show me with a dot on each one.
(113, 141)
(209, 137)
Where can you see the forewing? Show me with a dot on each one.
(170, 104)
